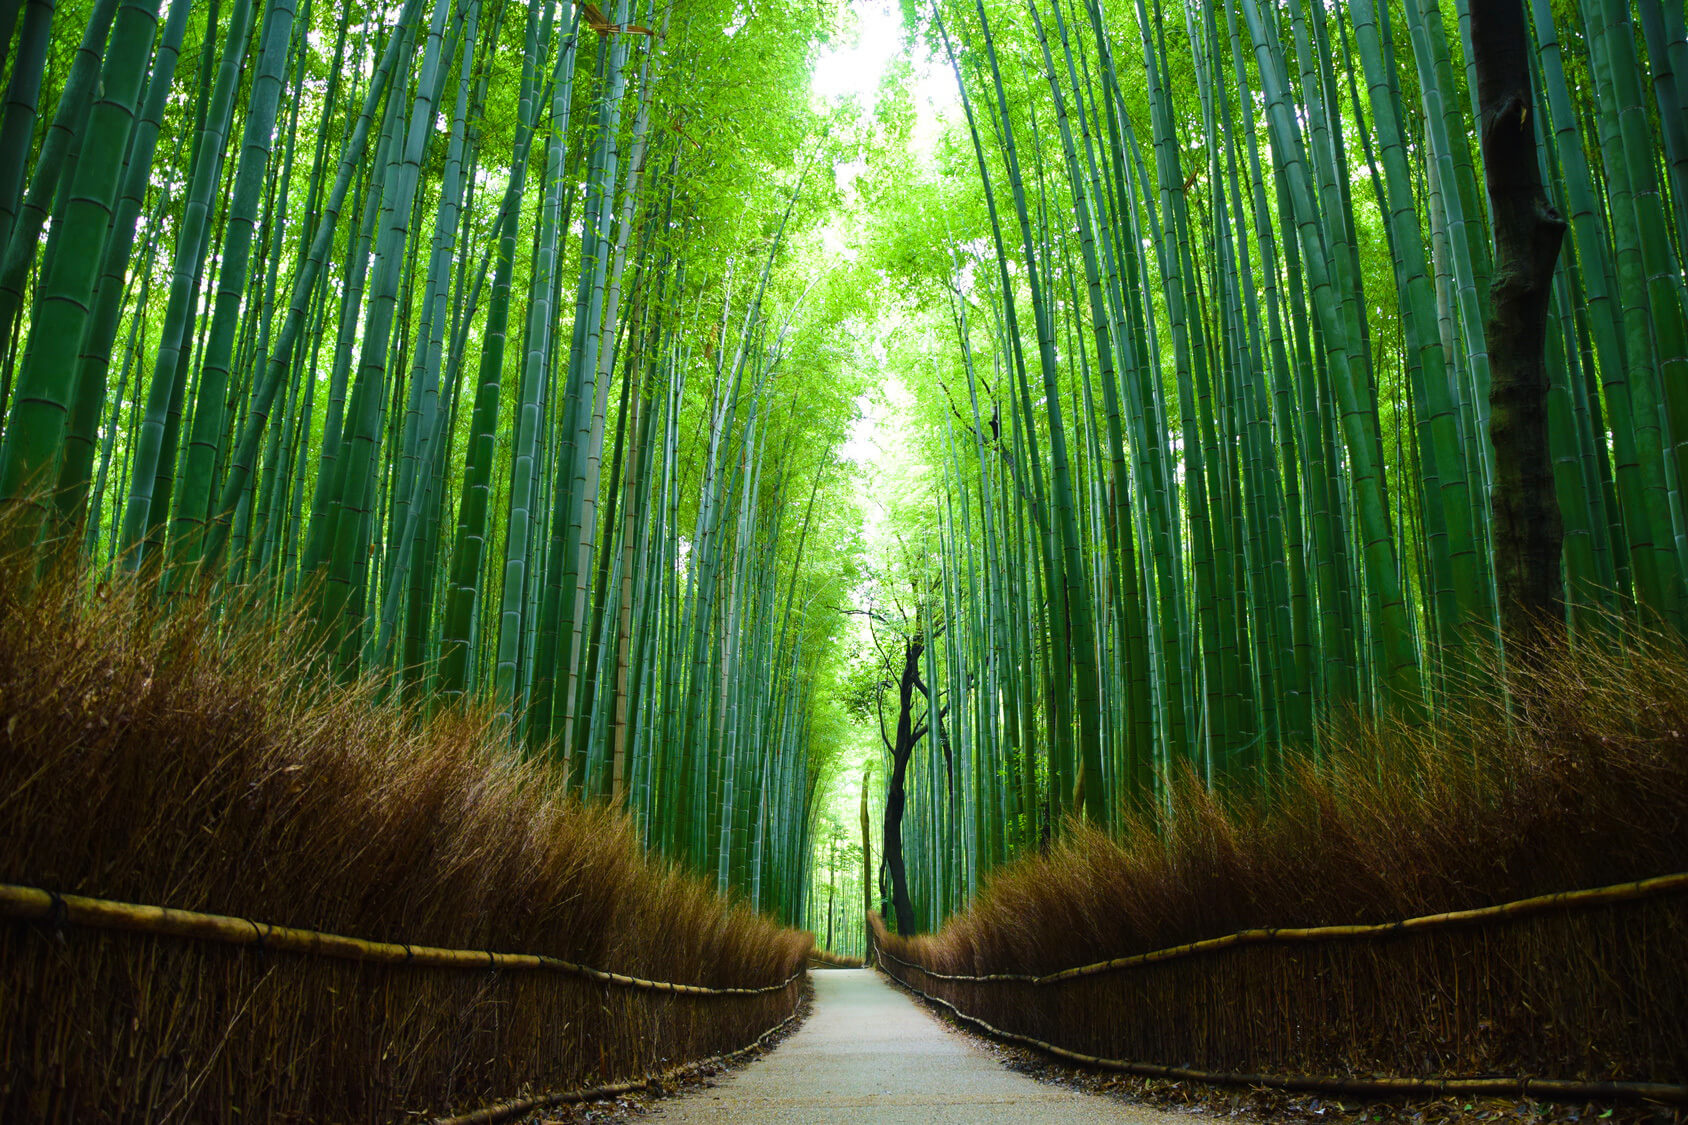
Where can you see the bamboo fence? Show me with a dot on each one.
(1494, 996)
(506, 1110)
(118, 1012)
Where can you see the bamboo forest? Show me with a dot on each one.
(549, 552)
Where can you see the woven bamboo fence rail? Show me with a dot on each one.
(36, 905)
(1522, 1086)
(1058, 1017)
(1564, 900)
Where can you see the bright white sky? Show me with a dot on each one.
(851, 70)
(854, 68)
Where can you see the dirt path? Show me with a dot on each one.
(868, 1047)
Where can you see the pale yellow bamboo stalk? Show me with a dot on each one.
(506, 1110)
(36, 905)
(1519, 1086)
(1563, 900)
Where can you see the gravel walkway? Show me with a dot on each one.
(869, 1054)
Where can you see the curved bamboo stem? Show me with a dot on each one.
(1510, 1086)
(1564, 900)
(506, 1110)
(36, 905)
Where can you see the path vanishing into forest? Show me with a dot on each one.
(867, 1046)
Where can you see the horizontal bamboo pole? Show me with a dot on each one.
(32, 904)
(506, 1110)
(1506, 911)
(1547, 1089)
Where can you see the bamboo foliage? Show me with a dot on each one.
(470, 324)
(1250, 257)
(421, 310)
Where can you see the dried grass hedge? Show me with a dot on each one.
(174, 759)
(1585, 784)
(826, 958)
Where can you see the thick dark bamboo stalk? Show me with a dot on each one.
(1528, 232)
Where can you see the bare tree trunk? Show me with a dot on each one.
(1528, 533)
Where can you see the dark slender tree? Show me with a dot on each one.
(909, 733)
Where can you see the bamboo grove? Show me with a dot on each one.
(1216, 429)
(464, 325)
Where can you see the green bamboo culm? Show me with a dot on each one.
(259, 325)
(40, 410)
(1258, 268)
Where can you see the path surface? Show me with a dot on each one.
(868, 1053)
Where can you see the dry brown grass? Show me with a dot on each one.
(1586, 785)
(828, 959)
(177, 759)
